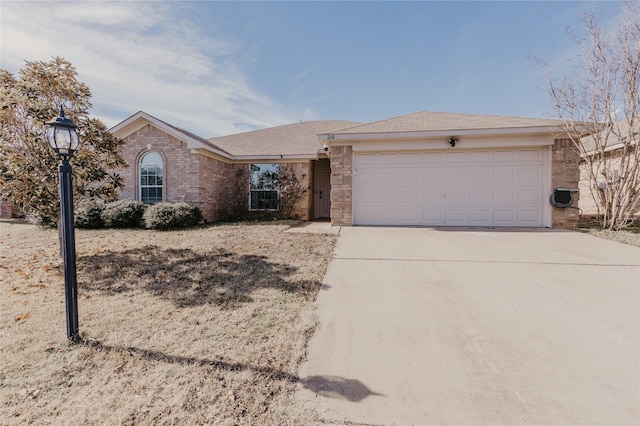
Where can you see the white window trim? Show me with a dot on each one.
(277, 191)
(140, 186)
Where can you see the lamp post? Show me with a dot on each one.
(63, 139)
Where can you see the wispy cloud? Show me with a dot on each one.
(304, 73)
(142, 56)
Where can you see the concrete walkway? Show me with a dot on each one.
(469, 326)
(323, 227)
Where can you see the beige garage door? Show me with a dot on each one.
(450, 188)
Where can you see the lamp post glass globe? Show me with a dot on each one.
(61, 135)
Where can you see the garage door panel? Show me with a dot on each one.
(430, 216)
(432, 196)
(432, 176)
(368, 177)
(529, 217)
(473, 187)
(455, 216)
(379, 216)
(386, 176)
(410, 160)
(374, 198)
(480, 216)
(410, 197)
(504, 217)
(455, 197)
(529, 197)
(475, 157)
(529, 176)
(504, 156)
(408, 177)
(530, 155)
(455, 177)
(480, 176)
(410, 216)
(504, 176)
(481, 197)
(504, 197)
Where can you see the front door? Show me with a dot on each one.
(324, 194)
(322, 190)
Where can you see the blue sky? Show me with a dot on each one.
(217, 68)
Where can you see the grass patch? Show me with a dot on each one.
(630, 235)
(199, 326)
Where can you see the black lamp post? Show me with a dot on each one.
(63, 139)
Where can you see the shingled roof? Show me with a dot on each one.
(424, 121)
(287, 140)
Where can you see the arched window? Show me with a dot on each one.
(151, 178)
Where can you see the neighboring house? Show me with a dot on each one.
(615, 147)
(432, 169)
(8, 210)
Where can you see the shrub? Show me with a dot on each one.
(123, 214)
(171, 216)
(236, 195)
(89, 216)
(41, 221)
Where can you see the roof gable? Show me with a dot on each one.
(140, 119)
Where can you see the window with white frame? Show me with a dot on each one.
(264, 187)
(151, 182)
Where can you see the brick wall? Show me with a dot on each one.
(187, 177)
(8, 210)
(195, 178)
(214, 177)
(341, 185)
(565, 173)
(303, 173)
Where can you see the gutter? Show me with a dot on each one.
(437, 133)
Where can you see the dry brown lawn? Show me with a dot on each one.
(201, 326)
(630, 235)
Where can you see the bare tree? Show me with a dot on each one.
(290, 191)
(236, 196)
(602, 98)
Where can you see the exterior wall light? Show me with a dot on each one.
(453, 141)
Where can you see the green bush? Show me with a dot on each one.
(123, 214)
(89, 216)
(172, 215)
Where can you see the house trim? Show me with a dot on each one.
(335, 138)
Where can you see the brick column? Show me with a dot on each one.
(565, 173)
(341, 186)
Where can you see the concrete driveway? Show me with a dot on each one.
(469, 326)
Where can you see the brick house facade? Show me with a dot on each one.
(202, 171)
(188, 177)
(206, 172)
